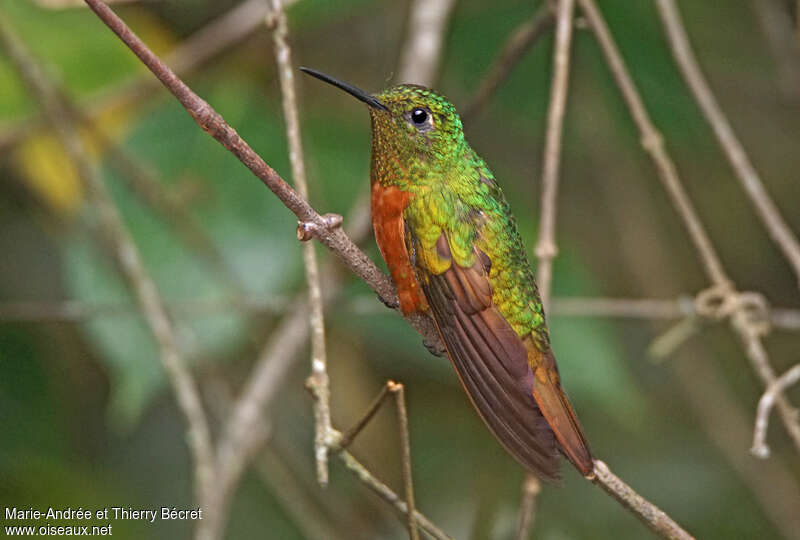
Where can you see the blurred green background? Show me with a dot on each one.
(89, 420)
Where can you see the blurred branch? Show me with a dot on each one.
(751, 182)
(730, 302)
(546, 248)
(384, 492)
(133, 269)
(521, 40)
(765, 405)
(527, 506)
(193, 52)
(655, 518)
(783, 38)
(75, 311)
(318, 379)
(211, 122)
(427, 25)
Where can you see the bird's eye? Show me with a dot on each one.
(419, 116)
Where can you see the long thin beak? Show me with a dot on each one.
(357, 93)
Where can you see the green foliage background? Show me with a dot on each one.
(88, 419)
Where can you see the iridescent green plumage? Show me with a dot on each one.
(454, 191)
(453, 249)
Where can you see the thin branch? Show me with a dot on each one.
(527, 513)
(408, 484)
(652, 141)
(427, 23)
(211, 122)
(384, 492)
(75, 311)
(780, 232)
(240, 439)
(133, 269)
(276, 20)
(349, 435)
(521, 40)
(546, 248)
(649, 514)
(765, 405)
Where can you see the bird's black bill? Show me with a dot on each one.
(357, 93)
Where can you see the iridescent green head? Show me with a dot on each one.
(414, 130)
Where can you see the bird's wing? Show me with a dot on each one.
(494, 365)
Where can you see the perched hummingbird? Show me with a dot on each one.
(447, 235)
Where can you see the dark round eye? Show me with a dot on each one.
(419, 116)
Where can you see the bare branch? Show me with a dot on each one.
(749, 333)
(527, 513)
(649, 514)
(383, 491)
(319, 375)
(211, 122)
(765, 404)
(408, 485)
(133, 269)
(521, 40)
(780, 232)
(546, 248)
(427, 23)
(74, 311)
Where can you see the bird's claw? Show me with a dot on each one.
(307, 229)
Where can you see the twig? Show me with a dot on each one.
(653, 143)
(546, 248)
(211, 122)
(408, 485)
(749, 334)
(276, 20)
(649, 514)
(129, 259)
(427, 22)
(751, 182)
(74, 311)
(384, 492)
(349, 435)
(522, 39)
(240, 438)
(527, 514)
(765, 404)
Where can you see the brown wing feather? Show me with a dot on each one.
(492, 362)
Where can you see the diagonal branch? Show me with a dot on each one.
(749, 333)
(211, 122)
(780, 232)
(522, 39)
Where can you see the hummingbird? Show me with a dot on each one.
(453, 249)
